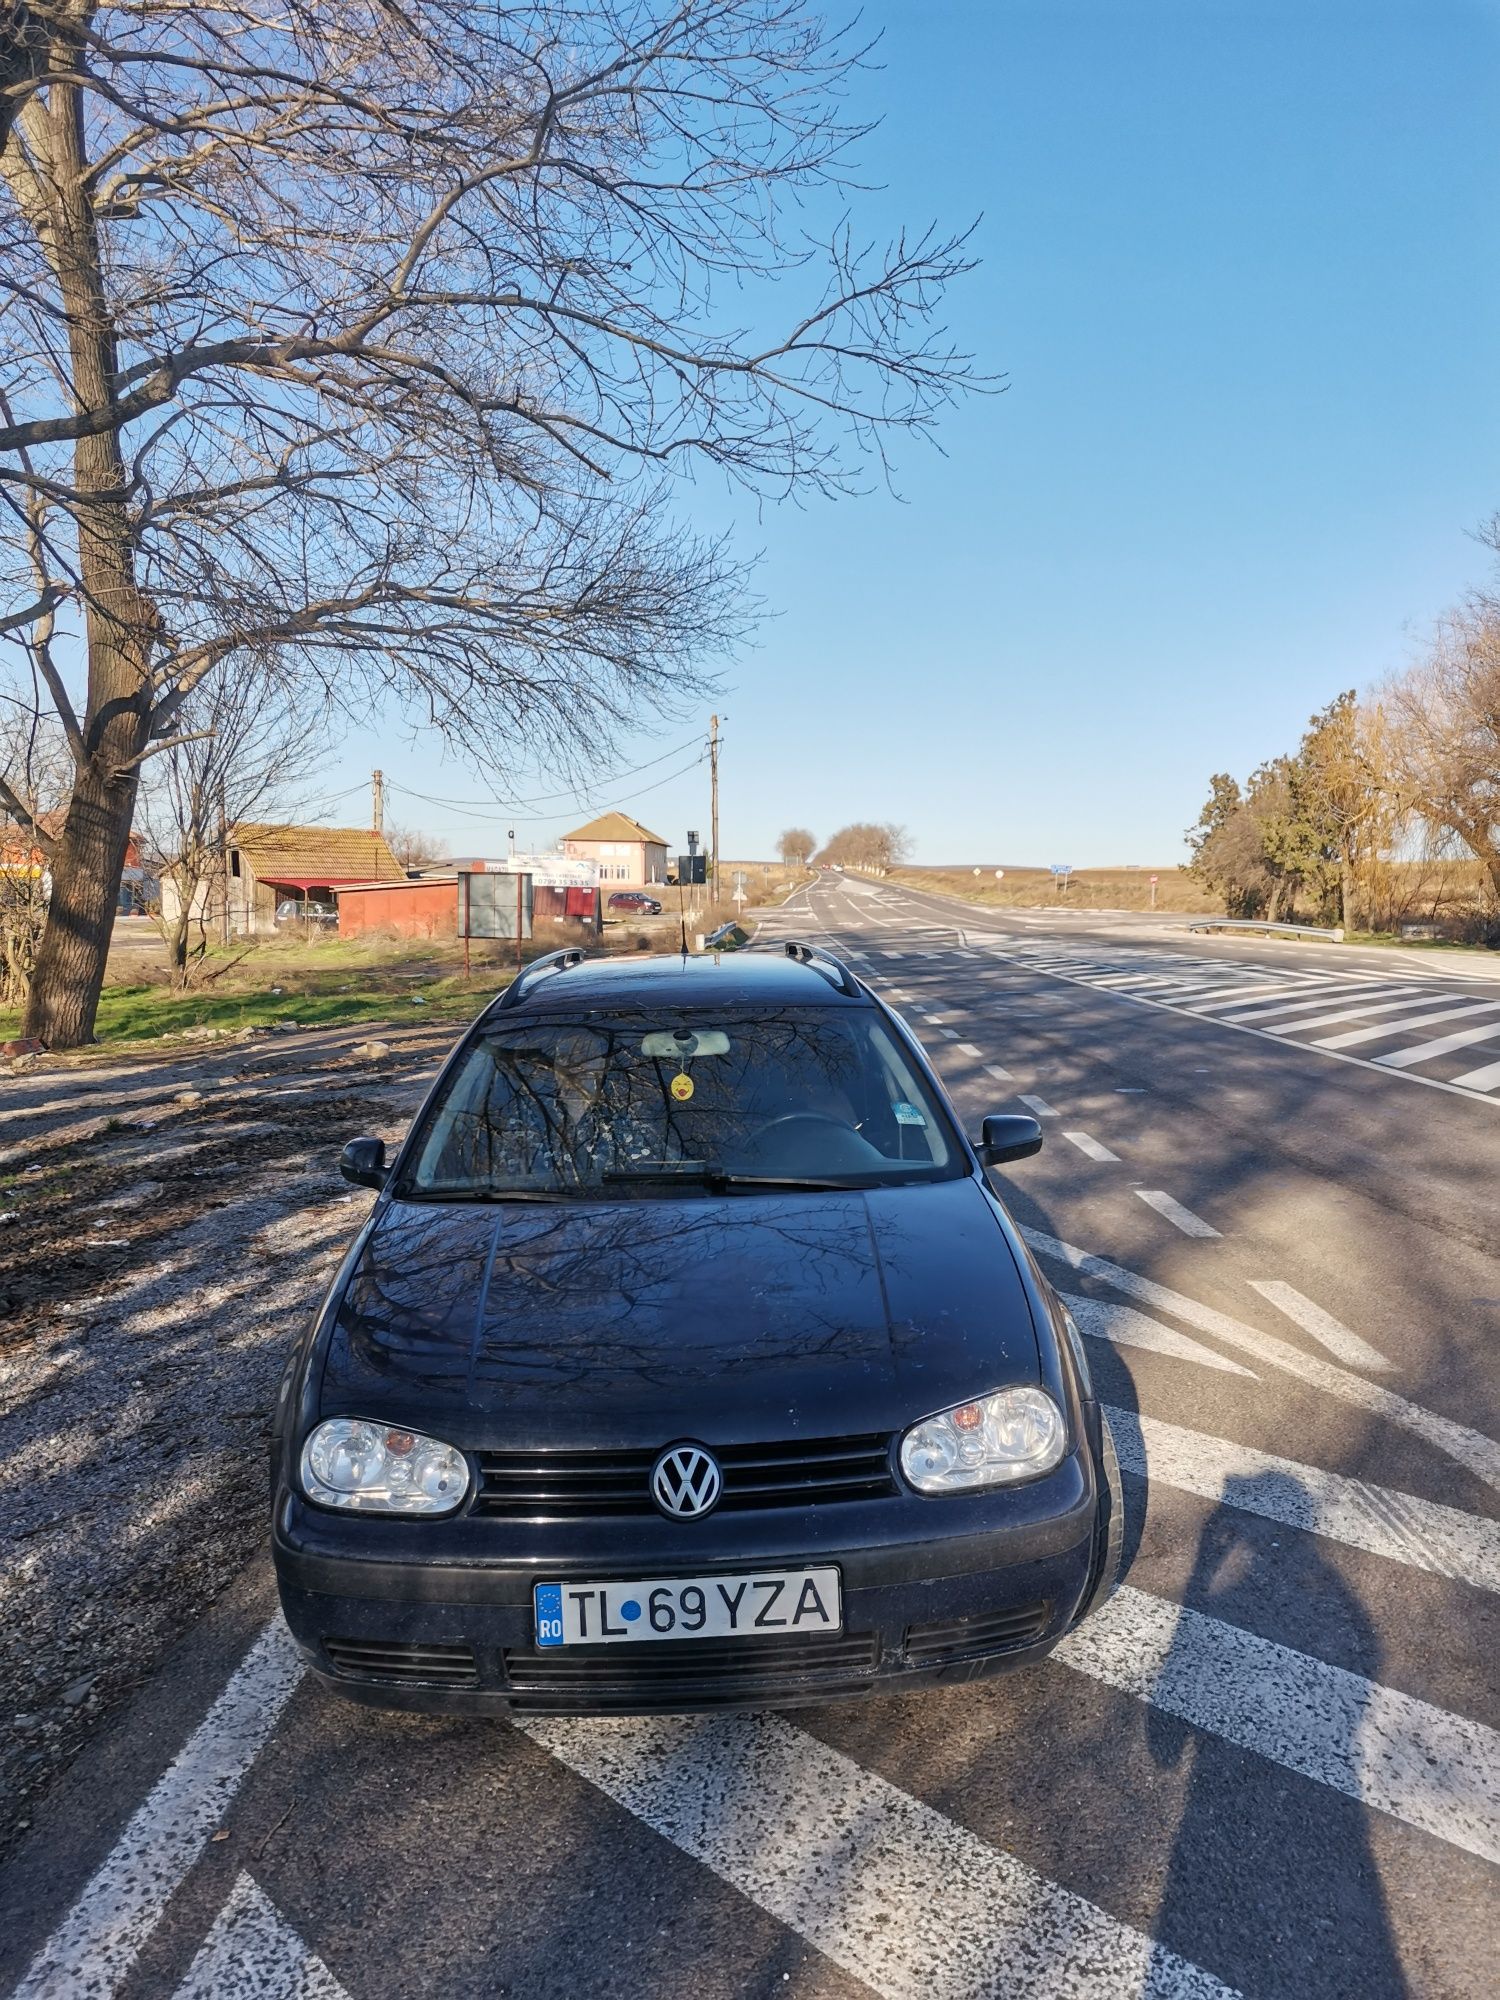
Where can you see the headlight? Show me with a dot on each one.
(994, 1441)
(380, 1469)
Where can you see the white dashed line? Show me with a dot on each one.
(1000, 1075)
(1183, 1218)
(1090, 1146)
(1102, 1319)
(901, 1897)
(96, 1943)
(968, 1049)
(1037, 1106)
(1420, 1533)
(252, 1953)
(1435, 1771)
(1467, 1447)
(1335, 1336)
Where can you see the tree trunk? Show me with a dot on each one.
(1346, 894)
(119, 621)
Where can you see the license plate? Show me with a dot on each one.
(755, 1605)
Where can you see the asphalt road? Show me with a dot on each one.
(1271, 1765)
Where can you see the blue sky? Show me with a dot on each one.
(1241, 271)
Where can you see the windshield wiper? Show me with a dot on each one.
(460, 1194)
(718, 1181)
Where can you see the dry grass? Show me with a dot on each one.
(1088, 889)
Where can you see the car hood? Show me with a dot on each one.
(620, 1323)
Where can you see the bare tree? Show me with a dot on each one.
(415, 849)
(1445, 732)
(876, 846)
(366, 341)
(796, 846)
(32, 750)
(246, 751)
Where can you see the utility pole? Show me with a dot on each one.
(377, 800)
(713, 798)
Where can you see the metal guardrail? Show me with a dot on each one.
(1255, 924)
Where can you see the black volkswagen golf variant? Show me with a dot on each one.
(686, 1359)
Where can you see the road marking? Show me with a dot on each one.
(1380, 1065)
(948, 1034)
(1037, 1106)
(1354, 1036)
(1281, 1010)
(908, 1901)
(1335, 1336)
(1283, 996)
(1000, 1075)
(1469, 1448)
(1420, 1533)
(1184, 1218)
(1090, 1146)
(1480, 1079)
(97, 1942)
(968, 1049)
(1100, 1319)
(1436, 1771)
(1462, 1038)
(252, 1953)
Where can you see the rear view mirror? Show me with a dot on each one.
(363, 1162)
(1008, 1136)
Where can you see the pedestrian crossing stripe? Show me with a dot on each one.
(1366, 1008)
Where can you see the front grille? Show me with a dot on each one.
(948, 1639)
(570, 1485)
(395, 1660)
(690, 1672)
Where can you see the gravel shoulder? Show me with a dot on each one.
(166, 1225)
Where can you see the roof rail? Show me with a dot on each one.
(821, 961)
(555, 961)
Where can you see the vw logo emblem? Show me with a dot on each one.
(686, 1481)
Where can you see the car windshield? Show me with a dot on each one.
(676, 1102)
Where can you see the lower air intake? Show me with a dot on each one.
(395, 1660)
(689, 1674)
(934, 1645)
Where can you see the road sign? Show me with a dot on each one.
(1061, 868)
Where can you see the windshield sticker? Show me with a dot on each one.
(682, 1087)
(908, 1114)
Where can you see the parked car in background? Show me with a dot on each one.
(633, 903)
(306, 913)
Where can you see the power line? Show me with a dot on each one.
(501, 811)
(577, 799)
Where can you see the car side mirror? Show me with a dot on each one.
(363, 1162)
(1006, 1135)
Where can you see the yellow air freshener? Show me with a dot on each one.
(682, 1087)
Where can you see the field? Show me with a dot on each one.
(1087, 889)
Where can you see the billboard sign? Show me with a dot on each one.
(547, 871)
(494, 903)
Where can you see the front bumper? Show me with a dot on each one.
(935, 1592)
